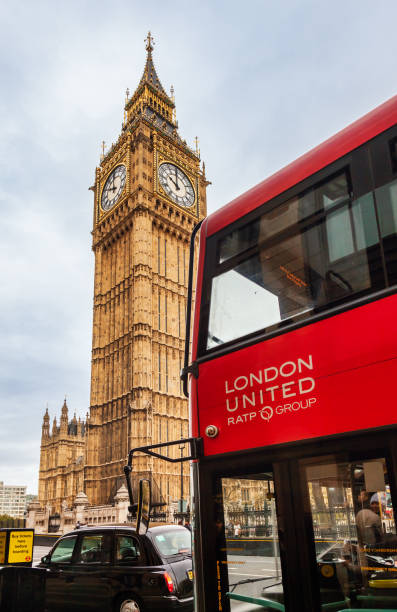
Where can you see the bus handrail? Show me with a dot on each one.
(195, 452)
(275, 605)
(187, 369)
(259, 601)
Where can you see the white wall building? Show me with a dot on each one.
(12, 500)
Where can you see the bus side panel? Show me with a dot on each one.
(333, 376)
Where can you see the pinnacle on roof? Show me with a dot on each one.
(149, 79)
(150, 101)
(149, 74)
(64, 407)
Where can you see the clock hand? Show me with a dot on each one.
(112, 186)
(176, 184)
(176, 176)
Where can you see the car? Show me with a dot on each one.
(115, 569)
(347, 553)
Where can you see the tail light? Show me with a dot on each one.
(169, 582)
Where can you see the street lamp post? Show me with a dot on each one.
(181, 448)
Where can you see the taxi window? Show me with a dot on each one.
(95, 548)
(127, 550)
(63, 551)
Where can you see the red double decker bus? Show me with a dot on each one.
(292, 384)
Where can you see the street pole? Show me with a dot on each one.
(181, 448)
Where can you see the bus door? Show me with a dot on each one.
(309, 532)
(349, 506)
(248, 543)
(257, 557)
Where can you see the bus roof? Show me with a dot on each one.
(351, 137)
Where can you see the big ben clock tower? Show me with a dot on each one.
(149, 193)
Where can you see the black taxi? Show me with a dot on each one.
(115, 569)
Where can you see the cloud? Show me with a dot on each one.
(259, 84)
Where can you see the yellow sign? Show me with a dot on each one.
(3, 537)
(388, 583)
(327, 571)
(20, 547)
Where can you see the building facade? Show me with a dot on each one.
(62, 457)
(12, 500)
(149, 193)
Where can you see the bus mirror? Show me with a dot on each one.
(144, 503)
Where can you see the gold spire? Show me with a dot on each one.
(149, 76)
(149, 42)
(150, 100)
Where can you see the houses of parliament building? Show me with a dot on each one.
(149, 193)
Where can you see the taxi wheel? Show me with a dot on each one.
(130, 605)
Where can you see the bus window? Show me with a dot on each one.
(317, 249)
(386, 198)
(354, 533)
(251, 554)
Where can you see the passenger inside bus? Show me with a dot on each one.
(353, 528)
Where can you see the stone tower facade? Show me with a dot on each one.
(62, 455)
(149, 193)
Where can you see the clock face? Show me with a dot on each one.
(176, 185)
(113, 188)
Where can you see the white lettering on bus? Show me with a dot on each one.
(242, 385)
(269, 374)
(247, 399)
(242, 418)
(277, 392)
(307, 390)
(267, 378)
(260, 394)
(227, 388)
(283, 368)
(267, 412)
(308, 365)
(295, 406)
(271, 391)
(235, 405)
(285, 388)
(257, 379)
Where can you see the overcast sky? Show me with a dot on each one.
(259, 82)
